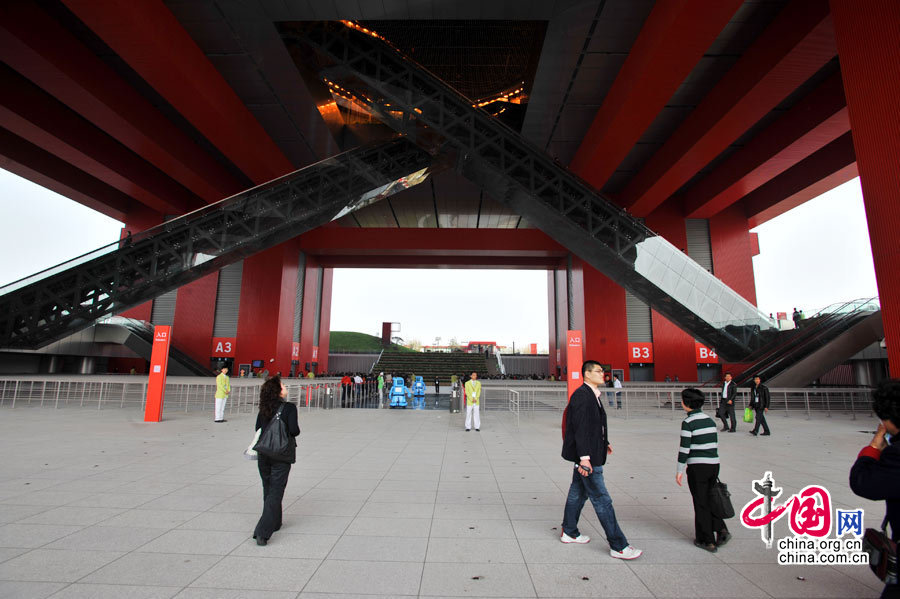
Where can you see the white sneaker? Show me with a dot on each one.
(580, 539)
(628, 553)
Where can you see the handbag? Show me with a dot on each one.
(275, 443)
(720, 413)
(250, 453)
(748, 414)
(882, 552)
(720, 501)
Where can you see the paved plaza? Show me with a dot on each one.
(388, 503)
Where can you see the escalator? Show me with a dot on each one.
(360, 64)
(62, 300)
(137, 335)
(830, 337)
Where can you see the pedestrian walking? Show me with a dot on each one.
(759, 401)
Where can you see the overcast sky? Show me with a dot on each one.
(813, 256)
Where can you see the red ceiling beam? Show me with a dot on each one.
(797, 44)
(30, 113)
(811, 124)
(414, 261)
(39, 166)
(146, 35)
(38, 47)
(671, 42)
(361, 241)
(824, 170)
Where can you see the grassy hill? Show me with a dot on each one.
(348, 341)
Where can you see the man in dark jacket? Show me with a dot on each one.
(876, 473)
(759, 401)
(585, 442)
(726, 408)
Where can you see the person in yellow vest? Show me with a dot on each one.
(223, 390)
(473, 399)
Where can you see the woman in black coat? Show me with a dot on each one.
(274, 474)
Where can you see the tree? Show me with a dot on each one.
(414, 344)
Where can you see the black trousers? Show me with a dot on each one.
(728, 410)
(274, 477)
(700, 479)
(760, 420)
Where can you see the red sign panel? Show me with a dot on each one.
(295, 351)
(159, 361)
(223, 347)
(532, 349)
(315, 353)
(640, 353)
(574, 352)
(705, 355)
(782, 315)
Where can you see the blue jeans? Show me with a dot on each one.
(592, 487)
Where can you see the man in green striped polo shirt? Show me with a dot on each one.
(699, 454)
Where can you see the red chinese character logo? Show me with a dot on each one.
(810, 510)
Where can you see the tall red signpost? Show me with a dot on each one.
(574, 352)
(159, 361)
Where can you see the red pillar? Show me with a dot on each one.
(673, 349)
(733, 250)
(605, 323)
(868, 42)
(194, 319)
(308, 338)
(325, 319)
(266, 318)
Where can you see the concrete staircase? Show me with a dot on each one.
(432, 365)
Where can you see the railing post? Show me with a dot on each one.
(806, 398)
(100, 398)
(58, 388)
(852, 409)
(828, 403)
(15, 394)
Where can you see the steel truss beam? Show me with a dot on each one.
(62, 300)
(416, 103)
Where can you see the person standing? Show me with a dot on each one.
(617, 384)
(437, 385)
(876, 473)
(796, 318)
(726, 408)
(380, 389)
(699, 454)
(585, 442)
(223, 390)
(274, 474)
(759, 401)
(473, 399)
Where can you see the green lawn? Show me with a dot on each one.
(348, 341)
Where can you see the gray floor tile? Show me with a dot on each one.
(480, 551)
(549, 529)
(195, 503)
(73, 516)
(472, 529)
(258, 573)
(7, 553)
(316, 525)
(106, 538)
(115, 591)
(153, 569)
(14, 513)
(150, 518)
(28, 590)
(55, 565)
(484, 580)
(389, 527)
(397, 510)
(115, 500)
(32, 535)
(446, 511)
(370, 548)
(289, 545)
(388, 496)
(703, 580)
(211, 542)
(586, 580)
(552, 551)
(47, 497)
(818, 581)
(340, 576)
(226, 521)
(324, 508)
(193, 593)
(469, 498)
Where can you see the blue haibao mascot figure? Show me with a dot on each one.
(418, 390)
(399, 393)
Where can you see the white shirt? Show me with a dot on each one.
(617, 384)
(725, 388)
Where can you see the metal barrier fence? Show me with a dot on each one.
(198, 394)
(629, 402)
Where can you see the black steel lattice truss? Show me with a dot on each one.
(185, 249)
(416, 103)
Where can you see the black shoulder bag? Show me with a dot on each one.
(720, 501)
(275, 443)
(882, 553)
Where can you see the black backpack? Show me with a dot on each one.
(275, 443)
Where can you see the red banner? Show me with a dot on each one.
(640, 353)
(223, 347)
(295, 351)
(705, 355)
(159, 362)
(533, 349)
(574, 352)
(782, 315)
(315, 353)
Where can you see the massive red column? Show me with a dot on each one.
(266, 319)
(605, 325)
(194, 320)
(868, 42)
